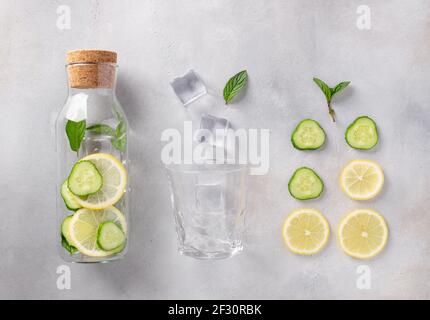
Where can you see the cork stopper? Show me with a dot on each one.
(91, 68)
(91, 56)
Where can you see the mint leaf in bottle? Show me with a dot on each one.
(75, 133)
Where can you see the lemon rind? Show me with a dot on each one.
(324, 242)
(374, 252)
(367, 197)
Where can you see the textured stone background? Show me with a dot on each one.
(283, 44)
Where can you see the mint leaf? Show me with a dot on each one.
(120, 140)
(119, 135)
(120, 129)
(330, 92)
(339, 87)
(234, 85)
(102, 129)
(324, 88)
(120, 144)
(75, 132)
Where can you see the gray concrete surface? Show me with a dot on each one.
(283, 44)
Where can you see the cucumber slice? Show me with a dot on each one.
(308, 135)
(69, 198)
(362, 133)
(110, 236)
(119, 249)
(67, 246)
(305, 184)
(65, 235)
(84, 179)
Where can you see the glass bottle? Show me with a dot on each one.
(91, 139)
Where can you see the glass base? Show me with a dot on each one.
(110, 260)
(214, 255)
(82, 259)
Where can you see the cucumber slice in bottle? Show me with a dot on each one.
(69, 198)
(305, 184)
(119, 249)
(84, 179)
(308, 135)
(67, 246)
(362, 133)
(65, 228)
(110, 236)
(65, 235)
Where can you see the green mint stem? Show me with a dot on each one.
(331, 111)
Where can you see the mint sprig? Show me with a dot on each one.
(101, 129)
(120, 140)
(234, 85)
(118, 135)
(330, 92)
(75, 132)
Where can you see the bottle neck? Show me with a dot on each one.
(106, 93)
(91, 92)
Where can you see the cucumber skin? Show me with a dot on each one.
(114, 250)
(62, 224)
(64, 199)
(71, 172)
(69, 248)
(292, 178)
(120, 248)
(297, 127)
(64, 242)
(353, 123)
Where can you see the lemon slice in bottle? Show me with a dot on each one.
(306, 231)
(362, 179)
(84, 226)
(114, 178)
(363, 233)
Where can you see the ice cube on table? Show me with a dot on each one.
(209, 198)
(188, 87)
(213, 130)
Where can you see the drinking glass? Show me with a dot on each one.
(209, 202)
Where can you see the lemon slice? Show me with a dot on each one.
(84, 225)
(362, 179)
(114, 182)
(363, 233)
(306, 231)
